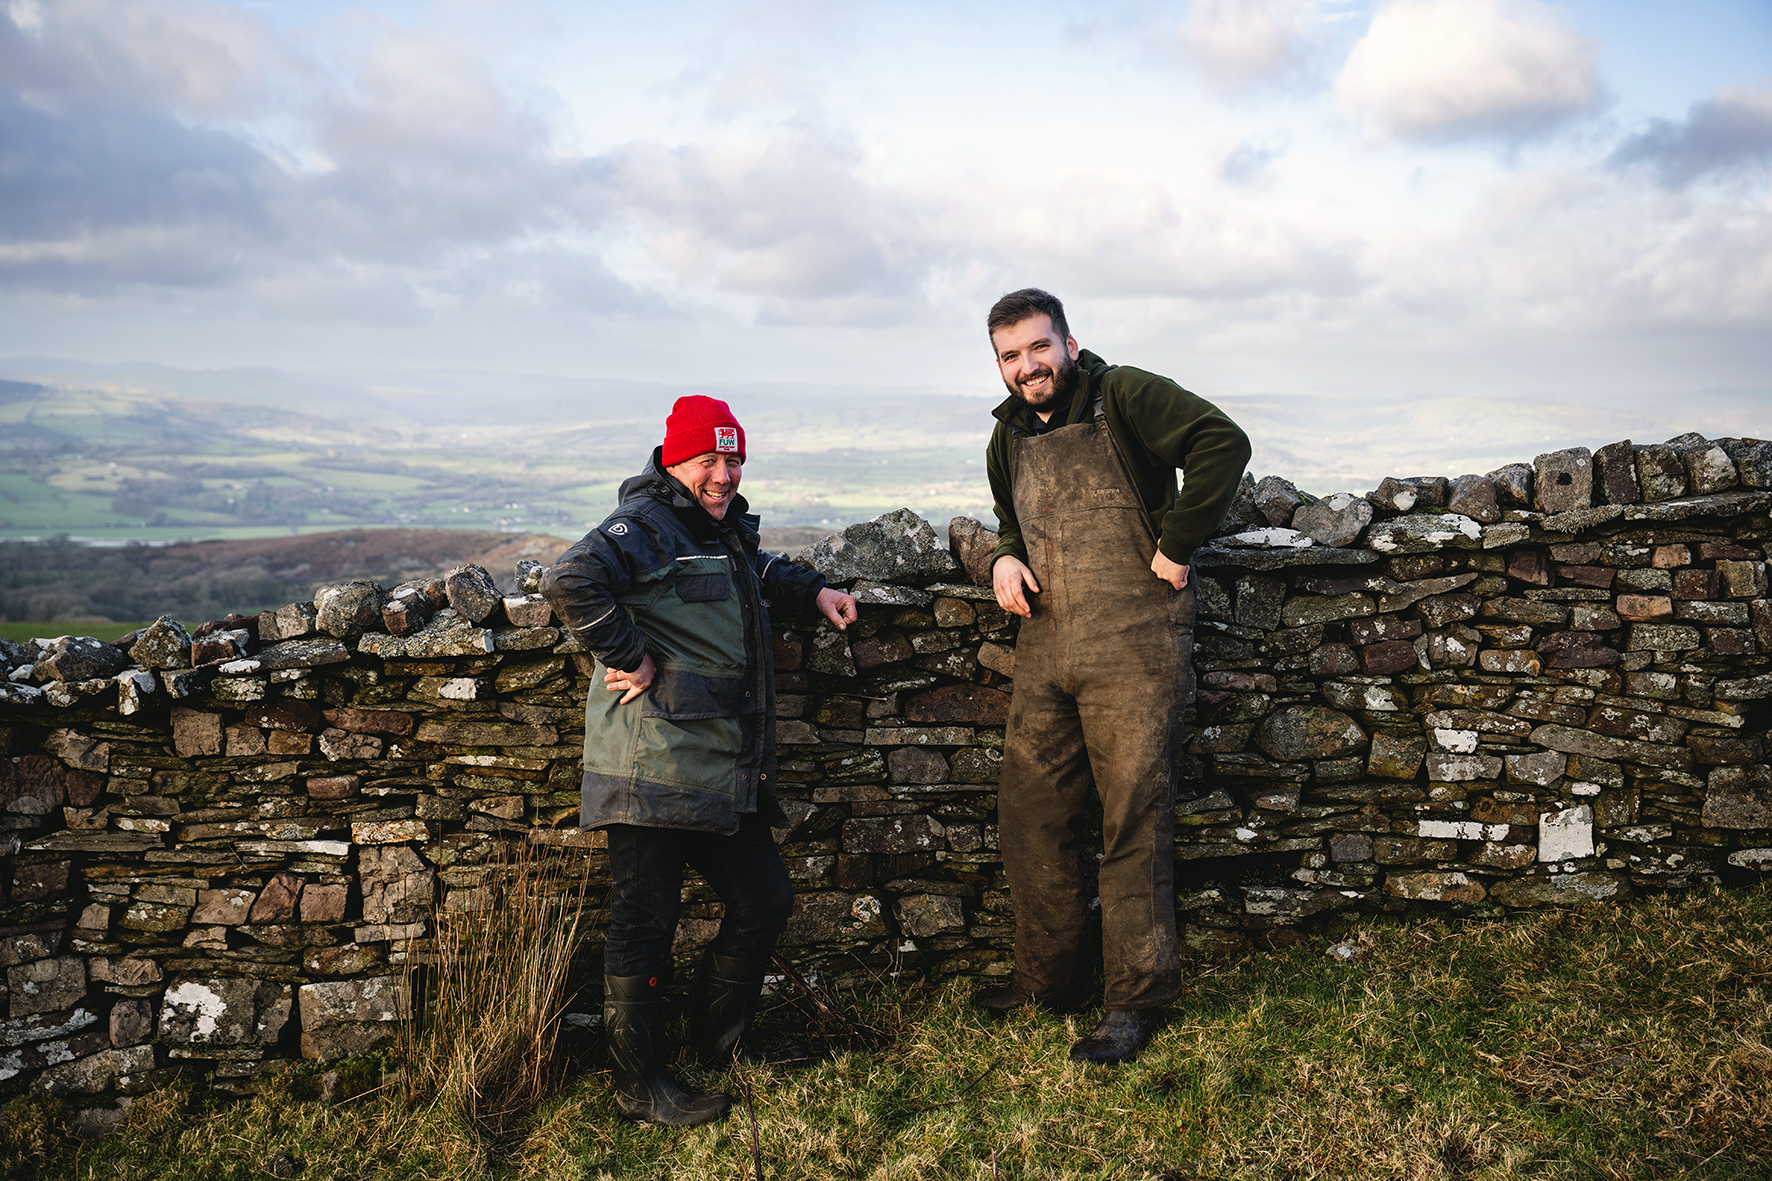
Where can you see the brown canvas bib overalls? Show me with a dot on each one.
(1103, 673)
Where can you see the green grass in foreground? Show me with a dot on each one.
(1626, 1043)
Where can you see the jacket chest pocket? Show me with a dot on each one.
(703, 587)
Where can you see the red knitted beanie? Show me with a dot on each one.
(698, 425)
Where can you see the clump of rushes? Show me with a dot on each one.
(482, 1041)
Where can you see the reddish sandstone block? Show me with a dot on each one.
(1529, 565)
(1669, 557)
(959, 703)
(195, 733)
(370, 721)
(1645, 608)
(1597, 576)
(1392, 656)
(323, 904)
(276, 902)
(1695, 583)
(282, 742)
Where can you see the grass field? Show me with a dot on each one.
(1607, 1043)
(31, 631)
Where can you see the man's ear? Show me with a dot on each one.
(1070, 343)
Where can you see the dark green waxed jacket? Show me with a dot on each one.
(1158, 428)
(660, 577)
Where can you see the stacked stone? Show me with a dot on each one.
(233, 866)
(889, 738)
(1533, 686)
(221, 848)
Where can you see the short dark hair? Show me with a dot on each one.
(1019, 305)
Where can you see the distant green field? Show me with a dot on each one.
(32, 631)
(113, 466)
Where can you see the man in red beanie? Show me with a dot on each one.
(679, 762)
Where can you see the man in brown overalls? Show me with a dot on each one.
(1093, 553)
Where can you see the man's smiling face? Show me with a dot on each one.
(1037, 365)
(712, 480)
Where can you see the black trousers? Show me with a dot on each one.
(646, 864)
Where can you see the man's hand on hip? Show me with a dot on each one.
(1012, 581)
(1174, 573)
(837, 607)
(631, 685)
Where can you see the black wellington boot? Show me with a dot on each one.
(722, 1005)
(633, 1021)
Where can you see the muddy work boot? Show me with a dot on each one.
(633, 1021)
(1120, 1036)
(1000, 1002)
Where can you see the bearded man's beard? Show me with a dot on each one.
(1064, 380)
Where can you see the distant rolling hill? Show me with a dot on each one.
(115, 452)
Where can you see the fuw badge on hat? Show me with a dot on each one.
(726, 438)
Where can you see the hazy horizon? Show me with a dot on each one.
(1325, 442)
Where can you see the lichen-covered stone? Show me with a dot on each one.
(1739, 797)
(447, 634)
(1753, 460)
(406, 609)
(1424, 533)
(1474, 497)
(397, 886)
(924, 916)
(894, 834)
(472, 593)
(349, 609)
(1309, 732)
(971, 545)
(1564, 480)
(1304, 610)
(1336, 520)
(1277, 498)
(1615, 474)
(224, 1011)
(46, 985)
(307, 653)
(1661, 473)
(1708, 469)
(345, 1017)
(1514, 485)
(1561, 889)
(162, 644)
(1393, 495)
(79, 658)
(898, 547)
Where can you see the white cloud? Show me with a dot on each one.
(1560, 251)
(1240, 41)
(791, 216)
(200, 59)
(1719, 135)
(1461, 69)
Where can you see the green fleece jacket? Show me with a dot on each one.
(1159, 427)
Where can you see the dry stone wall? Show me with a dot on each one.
(220, 848)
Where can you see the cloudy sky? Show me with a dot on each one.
(1433, 198)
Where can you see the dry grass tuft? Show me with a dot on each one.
(483, 1039)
